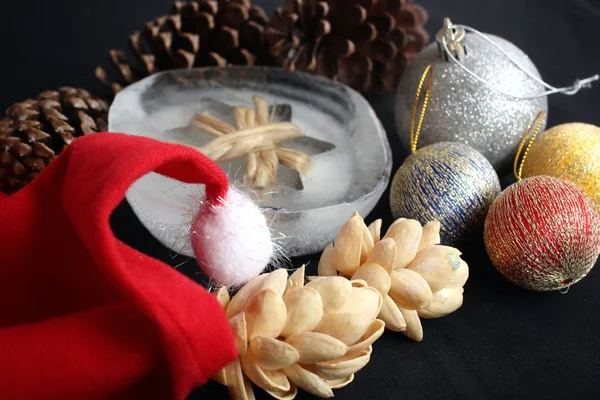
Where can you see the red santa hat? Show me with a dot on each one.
(83, 315)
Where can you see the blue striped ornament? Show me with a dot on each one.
(449, 182)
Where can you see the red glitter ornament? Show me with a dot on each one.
(543, 233)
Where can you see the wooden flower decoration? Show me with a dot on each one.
(417, 277)
(291, 335)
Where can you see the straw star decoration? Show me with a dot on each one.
(258, 137)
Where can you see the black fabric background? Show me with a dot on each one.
(504, 342)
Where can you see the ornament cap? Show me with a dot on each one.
(453, 36)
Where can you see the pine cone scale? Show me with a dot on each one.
(52, 113)
(380, 51)
(234, 17)
(34, 135)
(21, 150)
(196, 33)
(392, 27)
(21, 111)
(257, 15)
(17, 169)
(34, 164)
(41, 150)
(338, 46)
(384, 23)
(49, 104)
(35, 130)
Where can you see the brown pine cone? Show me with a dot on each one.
(362, 43)
(33, 132)
(196, 33)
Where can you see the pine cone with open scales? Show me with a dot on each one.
(33, 132)
(196, 33)
(362, 43)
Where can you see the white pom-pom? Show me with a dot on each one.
(231, 240)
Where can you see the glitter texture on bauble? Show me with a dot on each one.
(570, 152)
(543, 234)
(446, 182)
(462, 109)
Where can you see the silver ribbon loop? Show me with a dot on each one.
(449, 48)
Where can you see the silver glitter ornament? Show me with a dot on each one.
(462, 109)
(448, 182)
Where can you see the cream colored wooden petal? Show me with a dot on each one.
(366, 245)
(348, 244)
(384, 254)
(396, 222)
(436, 265)
(409, 290)
(317, 347)
(296, 280)
(444, 302)
(343, 367)
(391, 315)
(221, 377)
(267, 380)
(240, 333)
(431, 235)
(327, 262)
(357, 283)
(308, 381)
(375, 229)
(375, 275)
(236, 305)
(272, 353)
(237, 384)
(347, 327)
(407, 235)
(275, 281)
(265, 314)
(366, 301)
(374, 332)
(334, 291)
(304, 311)
(248, 389)
(414, 329)
(340, 383)
(459, 276)
(289, 395)
(222, 296)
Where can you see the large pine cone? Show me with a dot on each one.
(415, 275)
(196, 33)
(289, 334)
(362, 43)
(33, 132)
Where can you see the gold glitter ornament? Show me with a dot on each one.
(570, 152)
(543, 233)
